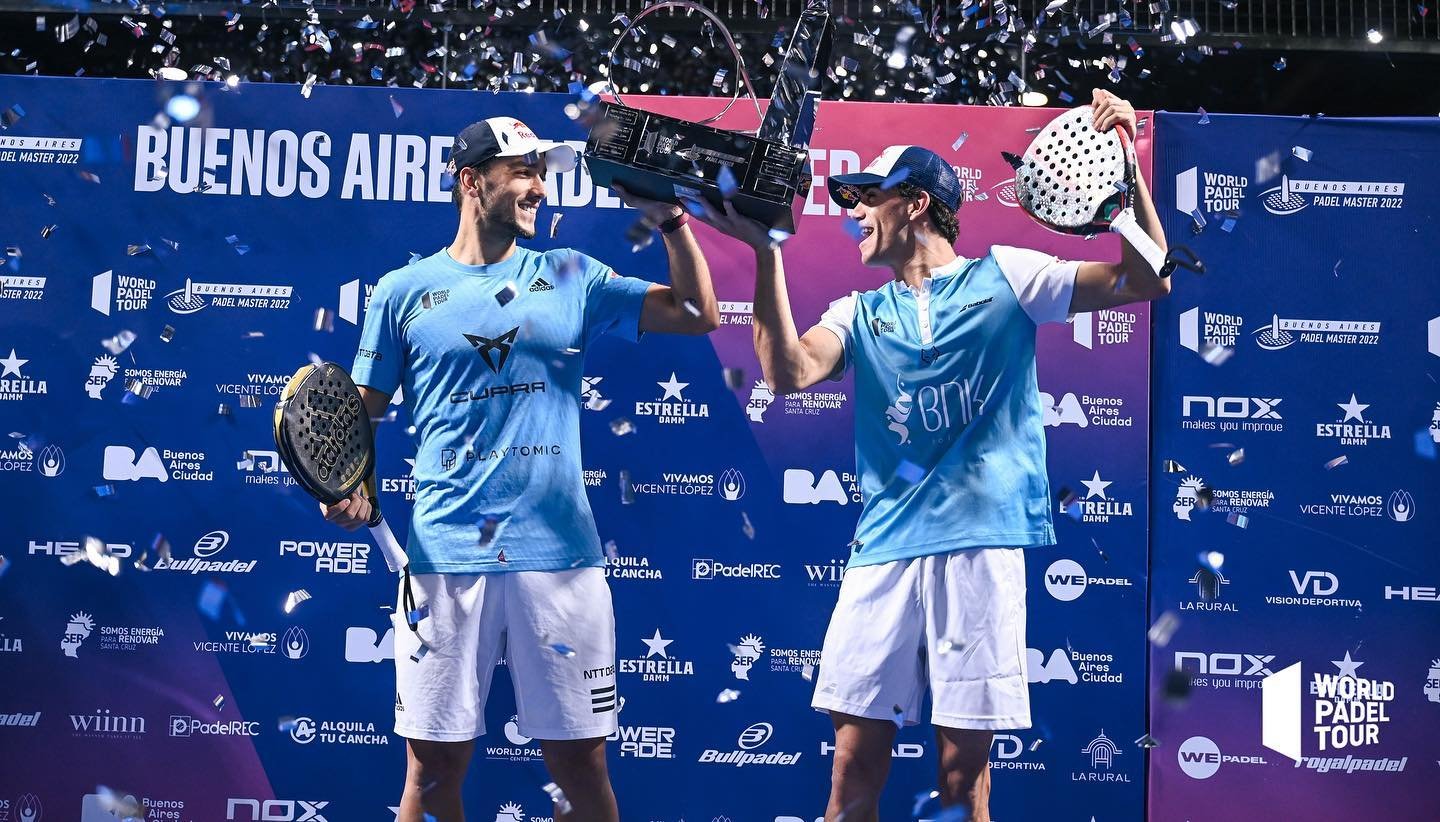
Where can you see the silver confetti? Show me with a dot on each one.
(1337, 462)
(295, 598)
(620, 426)
(1236, 457)
(727, 695)
(1163, 629)
(562, 805)
(219, 702)
(506, 294)
(118, 343)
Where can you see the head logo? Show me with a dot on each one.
(296, 643)
(1187, 496)
(1199, 757)
(510, 812)
(121, 464)
(500, 347)
(731, 485)
(51, 460)
(101, 372)
(1065, 580)
(211, 544)
(1400, 507)
(76, 630)
(1102, 750)
(755, 736)
(302, 730)
(750, 649)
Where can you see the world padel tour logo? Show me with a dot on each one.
(1283, 332)
(1293, 196)
(1208, 191)
(1339, 713)
(197, 296)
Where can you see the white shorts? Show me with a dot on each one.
(555, 629)
(953, 622)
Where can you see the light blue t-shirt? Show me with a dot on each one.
(490, 359)
(949, 428)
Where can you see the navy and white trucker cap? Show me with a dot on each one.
(917, 166)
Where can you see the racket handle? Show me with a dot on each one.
(1128, 227)
(395, 556)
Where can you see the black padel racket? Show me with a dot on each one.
(323, 434)
(1076, 180)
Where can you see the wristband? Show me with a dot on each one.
(674, 223)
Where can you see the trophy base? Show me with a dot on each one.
(662, 158)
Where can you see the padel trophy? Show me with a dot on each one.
(765, 175)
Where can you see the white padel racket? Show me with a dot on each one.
(1076, 180)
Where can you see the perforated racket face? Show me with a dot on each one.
(1069, 172)
(323, 432)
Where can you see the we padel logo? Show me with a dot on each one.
(197, 296)
(1066, 580)
(1293, 195)
(1282, 332)
(494, 351)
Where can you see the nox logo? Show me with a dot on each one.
(1239, 408)
(499, 346)
(1225, 664)
(274, 810)
(1317, 583)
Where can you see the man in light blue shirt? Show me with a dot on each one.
(950, 450)
(487, 340)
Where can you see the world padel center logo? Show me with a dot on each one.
(1293, 195)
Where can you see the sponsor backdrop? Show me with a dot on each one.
(162, 278)
(1297, 415)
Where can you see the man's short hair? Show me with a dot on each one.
(941, 216)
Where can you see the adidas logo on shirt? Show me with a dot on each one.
(541, 285)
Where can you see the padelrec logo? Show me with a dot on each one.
(715, 569)
(1346, 711)
(1293, 196)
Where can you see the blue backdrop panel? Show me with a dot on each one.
(233, 254)
(1297, 414)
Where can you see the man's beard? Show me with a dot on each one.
(504, 218)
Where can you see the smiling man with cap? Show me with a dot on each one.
(488, 339)
(950, 450)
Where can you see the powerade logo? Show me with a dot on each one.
(713, 569)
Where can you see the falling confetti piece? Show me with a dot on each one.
(295, 598)
(1215, 355)
(506, 294)
(11, 116)
(139, 388)
(47, 231)
(117, 344)
(1302, 153)
(727, 695)
(488, 524)
(288, 724)
(852, 227)
(308, 86)
(778, 237)
(396, 107)
(964, 135)
(250, 401)
(612, 552)
(727, 183)
(259, 642)
(807, 672)
(219, 702)
(1177, 685)
(691, 308)
(746, 526)
(1173, 467)
(562, 805)
(106, 490)
(896, 177)
(1238, 520)
(945, 646)
(620, 426)
(212, 599)
(1425, 441)
(1204, 117)
(223, 409)
(562, 649)
(1164, 628)
(555, 224)
(1337, 462)
(1280, 64)
(324, 320)
(1147, 741)
(734, 378)
(909, 472)
(898, 716)
(1236, 457)
(167, 333)
(1211, 560)
(4, 565)
(627, 491)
